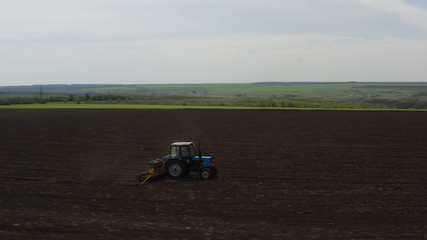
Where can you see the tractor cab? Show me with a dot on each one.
(184, 150)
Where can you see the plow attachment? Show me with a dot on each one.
(156, 168)
(141, 179)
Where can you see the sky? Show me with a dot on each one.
(211, 41)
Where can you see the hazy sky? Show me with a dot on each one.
(215, 41)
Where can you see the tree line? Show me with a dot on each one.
(66, 99)
(374, 103)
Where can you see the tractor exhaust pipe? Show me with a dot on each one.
(200, 152)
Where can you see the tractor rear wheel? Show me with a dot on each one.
(205, 173)
(176, 169)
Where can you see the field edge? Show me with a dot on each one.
(181, 107)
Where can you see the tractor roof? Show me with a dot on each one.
(182, 143)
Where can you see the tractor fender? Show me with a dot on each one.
(171, 159)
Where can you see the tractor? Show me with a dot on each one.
(180, 162)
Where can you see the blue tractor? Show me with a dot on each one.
(181, 161)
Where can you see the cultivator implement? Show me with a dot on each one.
(156, 168)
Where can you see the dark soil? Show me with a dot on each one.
(70, 174)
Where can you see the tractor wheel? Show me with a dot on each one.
(205, 173)
(214, 171)
(176, 169)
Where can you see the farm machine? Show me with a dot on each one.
(180, 162)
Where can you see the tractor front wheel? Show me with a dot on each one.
(205, 173)
(176, 169)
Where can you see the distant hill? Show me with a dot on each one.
(56, 87)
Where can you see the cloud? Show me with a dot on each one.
(91, 21)
(162, 41)
(400, 9)
(57, 22)
(233, 58)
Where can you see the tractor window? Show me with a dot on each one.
(184, 152)
(175, 151)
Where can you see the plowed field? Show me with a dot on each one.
(69, 174)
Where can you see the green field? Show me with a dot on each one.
(348, 95)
